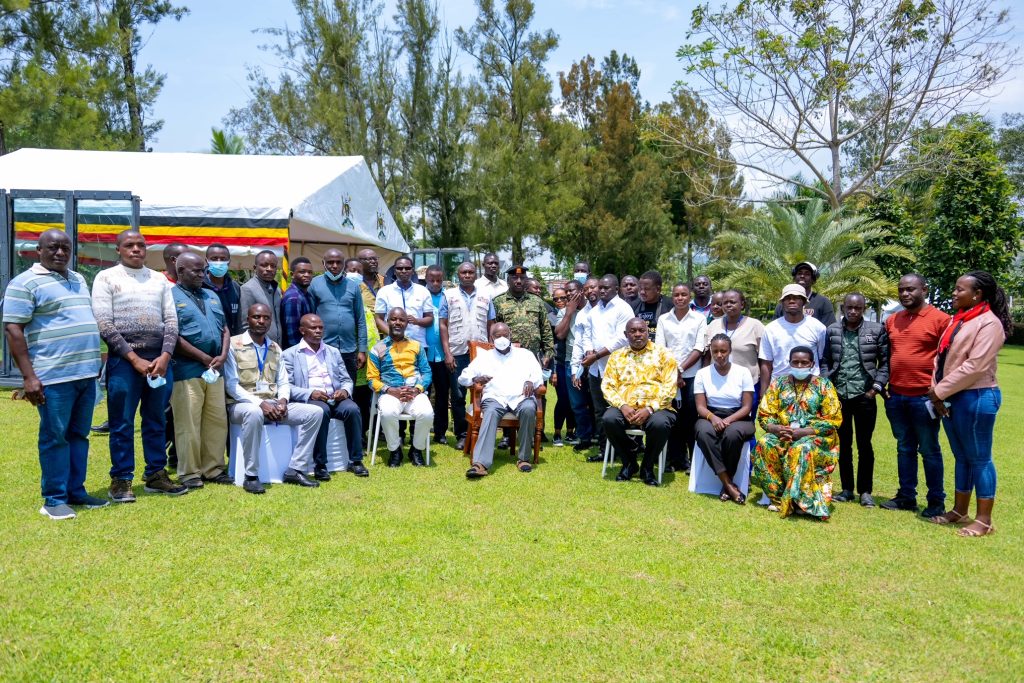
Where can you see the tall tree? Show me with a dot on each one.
(517, 135)
(1010, 145)
(703, 185)
(805, 82)
(975, 224)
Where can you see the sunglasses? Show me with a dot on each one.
(560, 298)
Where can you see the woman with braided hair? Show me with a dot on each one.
(964, 392)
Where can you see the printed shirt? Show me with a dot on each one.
(392, 363)
(416, 301)
(527, 319)
(60, 329)
(640, 379)
(295, 303)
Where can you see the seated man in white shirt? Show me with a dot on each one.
(509, 377)
(256, 382)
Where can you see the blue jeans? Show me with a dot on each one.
(969, 427)
(915, 430)
(128, 392)
(579, 399)
(64, 439)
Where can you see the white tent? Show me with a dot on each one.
(250, 203)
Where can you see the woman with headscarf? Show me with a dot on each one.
(795, 457)
(966, 395)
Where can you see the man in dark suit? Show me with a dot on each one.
(317, 376)
(263, 289)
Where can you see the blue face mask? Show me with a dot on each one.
(354, 277)
(800, 373)
(217, 268)
(332, 277)
(580, 277)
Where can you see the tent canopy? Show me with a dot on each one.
(250, 203)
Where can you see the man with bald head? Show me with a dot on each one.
(338, 301)
(399, 374)
(171, 253)
(317, 377)
(639, 383)
(256, 382)
(263, 288)
(52, 335)
(508, 376)
(135, 311)
(197, 396)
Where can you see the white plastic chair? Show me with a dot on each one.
(704, 480)
(276, 445)
(609, 453)
(375, 420)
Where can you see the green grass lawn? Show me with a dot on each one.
(417, 574)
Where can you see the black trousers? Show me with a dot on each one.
(600, 406)
(680, 447)
(722, 450)
(859, 415)
(656, 433)
(348, 412)
(440, 387)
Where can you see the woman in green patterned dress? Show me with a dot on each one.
(795, 456)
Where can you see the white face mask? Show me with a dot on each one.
(502, 343)
(354, 277)
(580, 277)
(800, 373)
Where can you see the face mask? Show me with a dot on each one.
(155, 381)
(217, 268)
(210, 376)
(353, 277)
(579, 277)
(332, 277)
(502, 343)
(546, 374)
(800, 373)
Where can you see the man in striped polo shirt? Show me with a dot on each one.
(53, 337)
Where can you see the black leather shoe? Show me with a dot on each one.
(627, 472)
(416, 457)
(443, 440)
(647, 477)
(460, 444)
(299, 479)
(358, 469)
(503, 444)
(396, 457)
(101, 428)
(321, 474)
(595, 458)
(899, 504)
(253, 486)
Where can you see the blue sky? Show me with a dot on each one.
(206, 54)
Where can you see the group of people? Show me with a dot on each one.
(644, 374)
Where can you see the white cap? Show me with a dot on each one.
(793, 290)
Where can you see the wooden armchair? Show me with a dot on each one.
(509, 422)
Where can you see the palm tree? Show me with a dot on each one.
(222, 143)
(758, 254)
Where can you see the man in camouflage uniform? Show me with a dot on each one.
(527, 318)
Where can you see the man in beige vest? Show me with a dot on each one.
(256, 382)
(470, 314)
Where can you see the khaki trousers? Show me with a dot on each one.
(200, 427)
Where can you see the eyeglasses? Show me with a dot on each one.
(560, 298)
(402, 268)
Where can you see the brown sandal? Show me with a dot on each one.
(944, 518)
(476, 471)
(971, 533)
(524, 466)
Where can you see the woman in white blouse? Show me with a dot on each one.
(724, 395)
(683, 331)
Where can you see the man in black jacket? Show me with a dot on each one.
(651, 304)
(857, 362)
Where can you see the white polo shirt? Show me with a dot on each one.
(416, 301)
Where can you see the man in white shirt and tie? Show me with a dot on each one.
(604, 331)
(508, 377)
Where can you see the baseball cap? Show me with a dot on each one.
(793, 290)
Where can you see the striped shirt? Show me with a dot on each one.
(60, 330)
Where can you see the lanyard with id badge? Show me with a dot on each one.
(261, 384)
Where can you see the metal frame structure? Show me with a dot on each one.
(9, 374)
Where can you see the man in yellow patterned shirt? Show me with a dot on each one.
(639, 384)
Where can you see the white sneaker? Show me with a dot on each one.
(61, 511)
